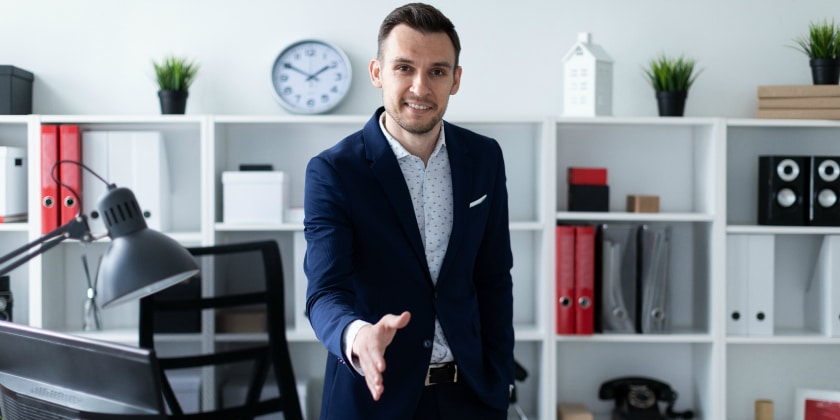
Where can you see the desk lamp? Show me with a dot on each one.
(138, 262)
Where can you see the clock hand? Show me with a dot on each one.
(291, 67)
(315, 76)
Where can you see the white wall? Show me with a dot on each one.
(94, 56)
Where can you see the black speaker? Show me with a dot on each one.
(783, 183)
(5, 299)
(824, 200)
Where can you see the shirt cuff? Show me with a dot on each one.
(349, 338)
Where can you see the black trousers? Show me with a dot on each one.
(455, 401)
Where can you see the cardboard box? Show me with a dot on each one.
(15, 91)
(568, 411)
(643, 203)
(254, 197)
(242, 321)
(12, 183)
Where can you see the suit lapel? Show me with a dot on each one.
(461, 167)
(386, 169)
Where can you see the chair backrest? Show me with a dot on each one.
(237, 264)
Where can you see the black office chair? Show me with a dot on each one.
(270, 357)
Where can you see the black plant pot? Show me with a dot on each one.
(671, 103)
(825, 71)
(173, 101)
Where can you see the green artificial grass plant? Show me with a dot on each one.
(822, 41)
(671, 74)
(175, 73)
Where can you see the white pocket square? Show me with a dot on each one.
(479, 201)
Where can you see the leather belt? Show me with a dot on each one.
(442, 373)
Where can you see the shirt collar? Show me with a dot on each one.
(399, 150)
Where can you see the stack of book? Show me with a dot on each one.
(818, 102)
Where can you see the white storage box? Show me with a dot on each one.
(12, 183)
(254, 197)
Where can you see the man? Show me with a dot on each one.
(408, 248)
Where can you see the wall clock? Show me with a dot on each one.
(311, 76)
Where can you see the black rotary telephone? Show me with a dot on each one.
(638, 398)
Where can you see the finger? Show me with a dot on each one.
(396, 322)
(403, 319)
(375, 389)
(373, 379)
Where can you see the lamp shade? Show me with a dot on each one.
(139, 261)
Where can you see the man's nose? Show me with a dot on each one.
(420, 85)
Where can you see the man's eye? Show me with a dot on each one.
(438, 73)
(402, 68)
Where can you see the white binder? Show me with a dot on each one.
(95, 157)
(150, 177)
(822, 296)
(133, 159)
(737, 282)
(750, 284)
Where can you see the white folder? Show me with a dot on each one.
(133, 159)
(95, 157)
(822, 296)
(150, 178)
(762, 284)
(737, 282)
(137, 160)
(750, 284)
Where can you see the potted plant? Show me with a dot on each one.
(671, 77)
(822, 46)
(174, 76)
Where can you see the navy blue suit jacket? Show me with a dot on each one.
(365, 259)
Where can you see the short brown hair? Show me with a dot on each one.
(421, 17)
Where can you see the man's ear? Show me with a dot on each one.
(456, 81)
(375, 73)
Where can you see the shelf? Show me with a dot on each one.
(783, 230)
(528, 333)
(298, 227)
(786, 336)
(613, 216)
(285, 227)
(679, 338)
(14, 227)
(122, 120)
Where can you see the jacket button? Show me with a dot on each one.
(427, 343)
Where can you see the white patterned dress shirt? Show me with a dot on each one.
(430, 187)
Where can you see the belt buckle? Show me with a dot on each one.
(440, 365)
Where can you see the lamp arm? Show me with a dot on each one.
(74, 229)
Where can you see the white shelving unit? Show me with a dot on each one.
(676, 159)
(795, 355)
(703, 169)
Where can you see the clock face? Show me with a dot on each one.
(311, 77)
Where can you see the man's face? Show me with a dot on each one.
(417, 74)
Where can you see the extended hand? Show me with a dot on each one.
(370, 345)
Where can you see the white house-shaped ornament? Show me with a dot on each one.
(587, 79)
